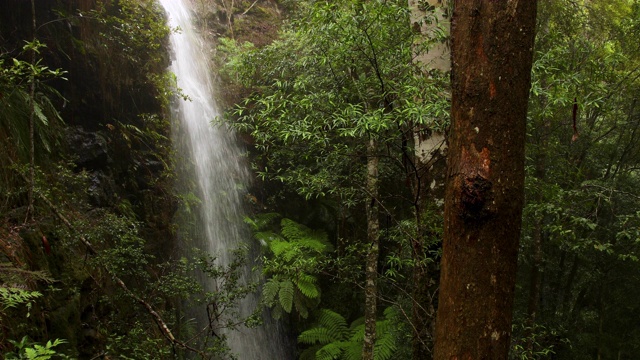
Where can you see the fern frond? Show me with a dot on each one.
(261, 221)
(336, 324)
(357, 332)
(359, 322)
(330, 351)
(385, 347)
(277, 312)
(270, 290)
(315, 244)
(301, 308)
(266, 237)
(390, 312)
(316, 335)
(353, 350)
(280, 247)
(310, 353)
(306, 285)
(286, 295)
(294, 231)
(383, 327)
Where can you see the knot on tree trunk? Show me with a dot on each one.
(476, 193)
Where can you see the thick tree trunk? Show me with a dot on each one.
(492, 45)
(373, 229)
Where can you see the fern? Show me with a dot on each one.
(261, 221)
(266, 237)
(300, 307)
(317, 244)
(306, 285)
(310, 353)
(279, 248)
(270, 290)
(11, 297)
(330, 351)
(335, 322)
(342, 342)
(353, 351)
(385, 346)
(320, 335)
(292, 230)
(296, 256)
(286, 295)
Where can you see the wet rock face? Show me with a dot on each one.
(90, 148)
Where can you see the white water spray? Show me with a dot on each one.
(219, 174)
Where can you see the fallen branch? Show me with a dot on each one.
(249, 8)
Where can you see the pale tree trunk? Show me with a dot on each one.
(428, 169)
(492, 48)
(373, 237)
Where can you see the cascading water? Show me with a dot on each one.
(218, 173)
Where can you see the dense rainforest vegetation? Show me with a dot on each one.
(344, 109)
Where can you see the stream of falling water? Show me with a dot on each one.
(219, 174)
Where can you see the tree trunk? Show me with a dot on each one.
(492, 46)
(32, 112)
(535, 279)
(427, 169)
(373, 227)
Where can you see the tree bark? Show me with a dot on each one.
(426, 169)
(373, 230)
(535, 282)
(32, 111)
(492, 46)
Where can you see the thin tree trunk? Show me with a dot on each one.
(427, 179)
(373, 227)
(534, 285)
(565, 299)
(492, 48)
(32, 112)
(535, 281)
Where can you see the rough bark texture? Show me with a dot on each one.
(492, 45)
(373, 230)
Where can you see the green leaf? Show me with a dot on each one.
(270, 290)
(306, 285)
(286, 295)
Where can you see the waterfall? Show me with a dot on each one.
(219, 174)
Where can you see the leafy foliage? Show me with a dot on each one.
(315, 99)
(331, 338)
(581, 212)
(25, 349)
(295, 256)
